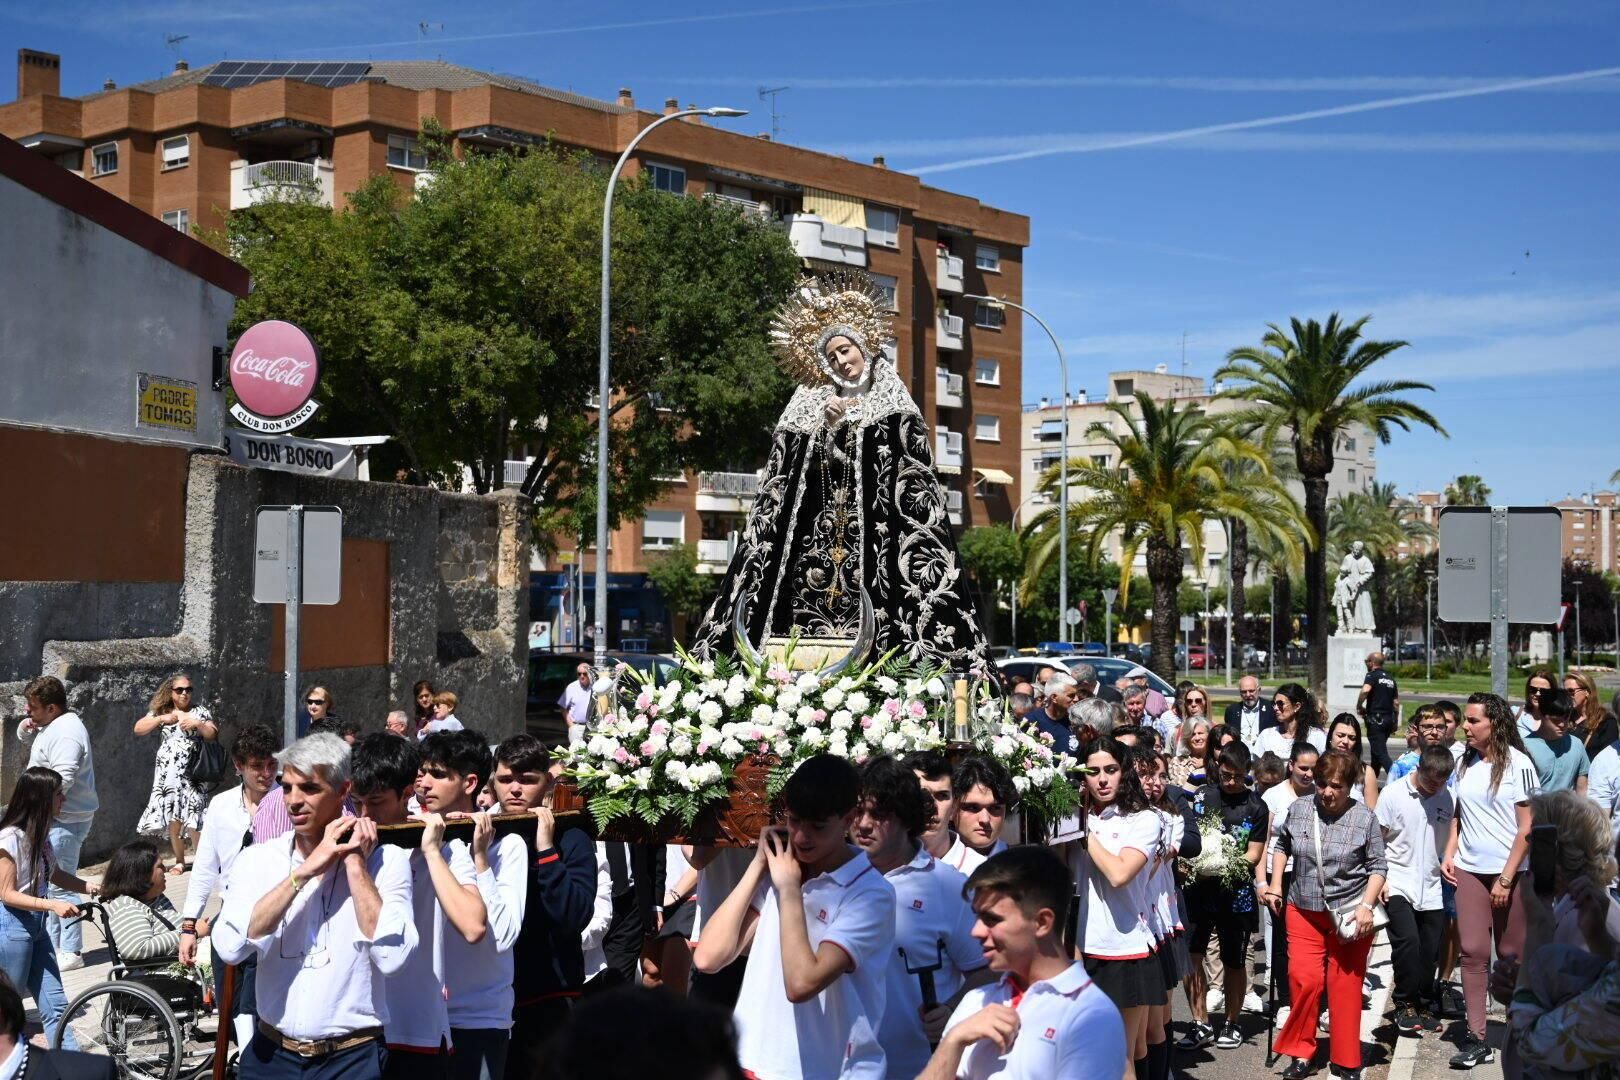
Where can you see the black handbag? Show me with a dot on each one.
(209, 760)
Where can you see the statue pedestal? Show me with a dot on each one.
(1347, 670)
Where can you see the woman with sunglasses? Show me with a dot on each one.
(1538, 682)
(1345, 734)
(1598, 727)
(176, 804)
(1296, 721)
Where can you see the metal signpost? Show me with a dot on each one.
(1110, 595)
(1500, 565)
(297, 560)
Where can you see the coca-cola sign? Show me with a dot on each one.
(274, 369)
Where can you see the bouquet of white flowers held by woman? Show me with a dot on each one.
(1042, 774)
(1224, 856)
(671, 749)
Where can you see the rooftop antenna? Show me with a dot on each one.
(776, 124)
(423, 29)
(172, 43)
(1183, 361)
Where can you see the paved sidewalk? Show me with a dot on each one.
(1429, 1057)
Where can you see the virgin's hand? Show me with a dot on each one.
(835, 409)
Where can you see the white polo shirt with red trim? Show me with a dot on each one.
(836, 1033)
(1067, 1030)
(1116, 921)
(933, 923)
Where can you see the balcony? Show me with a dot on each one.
(749, 208)
(713, 556)
(953, 506)
(270, 181)
(948, 391)
(726, 492)
(823, 241)
(948, 451)
(950, 273)
(950, 331)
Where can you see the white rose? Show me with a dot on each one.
(1021, 783)
(936, 687)
(614, 782)
(731, 748)
(681, 745)
(766, 690)
(846, 684)
(784, 748)
(762, 713)
(811, 736)
(807, 682)
(837, 745)
(914, 688)
(805, 716)
(789, 699)
(707, 734)
(710, 712)
(733, 697)
(832, 697)
(780, 720)
(842, 720)
(893, 741)
(858, 702)
(860, 750)
(887, 684)
(642, 777)
(706, 668)
(675, 770)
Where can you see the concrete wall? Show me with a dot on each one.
(87, 311)
(448, 602)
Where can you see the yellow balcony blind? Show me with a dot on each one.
(835, 209)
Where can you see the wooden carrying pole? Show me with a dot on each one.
(409, 834)
(222, 1038)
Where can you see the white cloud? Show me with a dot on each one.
(1531, 354)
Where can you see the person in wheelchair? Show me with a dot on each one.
(144, 923)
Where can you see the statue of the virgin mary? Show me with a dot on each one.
(848, 539)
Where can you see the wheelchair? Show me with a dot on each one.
(149, 1020)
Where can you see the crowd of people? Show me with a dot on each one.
(888, 926)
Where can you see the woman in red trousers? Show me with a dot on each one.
(1339, 869)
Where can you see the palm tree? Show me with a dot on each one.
(1468, 490)
(1305, 382)
(1170, 479)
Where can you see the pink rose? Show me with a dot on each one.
(647, 748)
(643, 700)
(892, 707)
(621, 755)
(868, 721)
(652, 710)
(918, 710)
(661, 728)
(702, 748)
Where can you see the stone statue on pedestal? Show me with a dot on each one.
(1352, 592)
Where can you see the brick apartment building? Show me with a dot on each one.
(1354, 462)
(196, 144)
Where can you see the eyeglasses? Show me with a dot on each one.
(1432, 729)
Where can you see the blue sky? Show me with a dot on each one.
(1481, 228)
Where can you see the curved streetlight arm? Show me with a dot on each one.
(603, 387)
(1063, 466)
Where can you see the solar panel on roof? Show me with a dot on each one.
(236, 74)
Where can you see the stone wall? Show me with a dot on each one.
(450, 606)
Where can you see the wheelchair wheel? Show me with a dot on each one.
(130, 1024)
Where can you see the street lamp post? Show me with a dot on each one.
(1063, 464)
(1271, 620)
(1110, 595)
(1428, 628)
(1578, 583)
(603, 385)
(1208, 654)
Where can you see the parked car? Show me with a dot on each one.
(1109, 669)
(1198, 658)
(550, 672)
(1125, 650)
(1411, 650)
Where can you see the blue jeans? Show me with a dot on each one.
(29, 959)
(67, 840)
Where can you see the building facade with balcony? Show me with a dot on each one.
(193, 146)
(1041, 442)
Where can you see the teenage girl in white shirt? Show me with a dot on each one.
(1169, 928)
(1122, 846)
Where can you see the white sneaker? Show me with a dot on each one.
(69, 961)
(1215, 1001)
(1282, 1014)
(1252, 1003)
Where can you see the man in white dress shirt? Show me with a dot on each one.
(576, 702)
(226, 830)
(327, 912)
(1044, 1019)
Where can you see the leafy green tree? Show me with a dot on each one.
(1171, 479)
(1309, 382)
(992, 555)
(1468, 490)
(675, 574)
(463, 323)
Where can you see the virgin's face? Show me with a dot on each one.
(846, 358)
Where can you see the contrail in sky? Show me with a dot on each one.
(1272, 121)
(1377, 84)
(673, 20)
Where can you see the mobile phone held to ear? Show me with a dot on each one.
(1543, 859)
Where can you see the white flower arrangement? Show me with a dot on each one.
(671, 750)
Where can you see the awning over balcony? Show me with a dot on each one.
(994, 476)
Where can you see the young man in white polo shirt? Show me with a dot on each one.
(984, 793)
(1415, 813)
(817, 922)
(1044, 1019)
(477, 972)
(935, 950)
(328, 914)
(418, 1028)
(939, 836)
